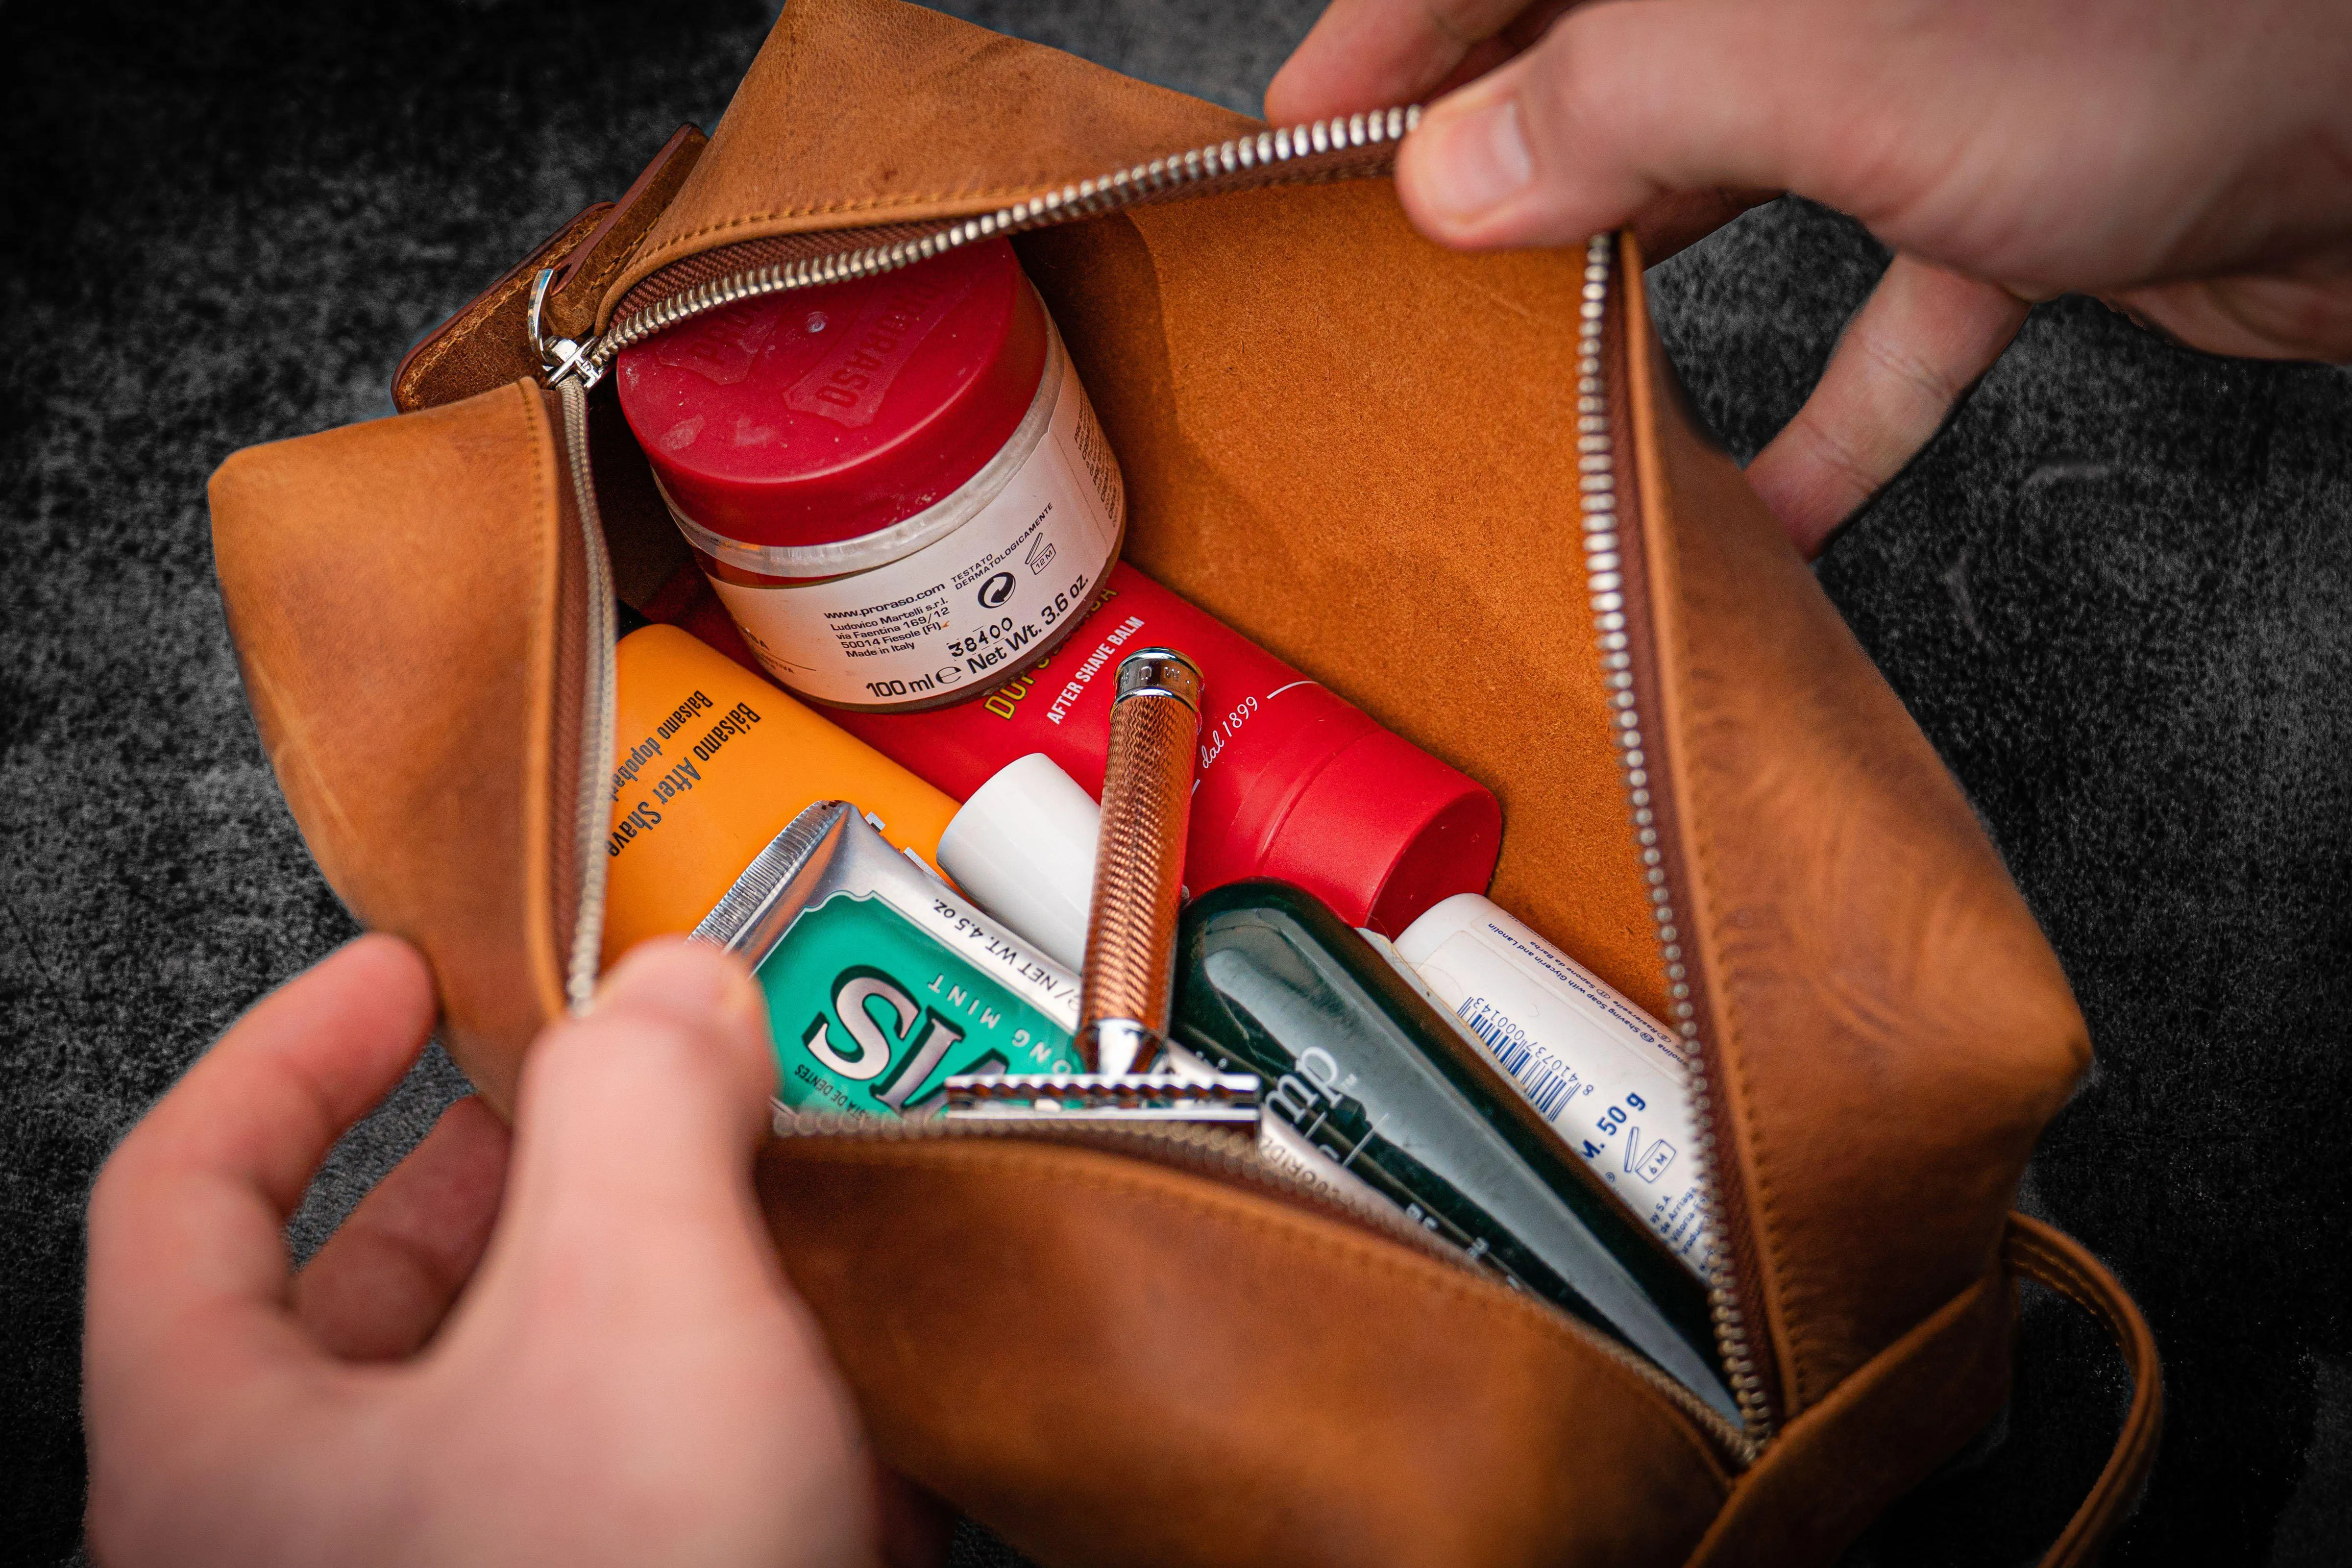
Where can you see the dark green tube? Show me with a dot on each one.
(1269, 980)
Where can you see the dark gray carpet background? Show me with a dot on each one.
(2117, 593)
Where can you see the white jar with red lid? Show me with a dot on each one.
(895, 484)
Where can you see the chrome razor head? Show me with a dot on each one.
(1228, 1098)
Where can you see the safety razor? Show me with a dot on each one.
(1126, 990)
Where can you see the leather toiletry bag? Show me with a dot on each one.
(1460, 489)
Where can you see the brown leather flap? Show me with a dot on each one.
(392, 589)
(1283, 1389)
(1890, 1027)
(860, 112)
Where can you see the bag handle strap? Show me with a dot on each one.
(2051, 1258)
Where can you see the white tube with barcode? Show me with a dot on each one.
(1610, 1079)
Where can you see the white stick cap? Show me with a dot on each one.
(1024, 845)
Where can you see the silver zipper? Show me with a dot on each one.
(1268, 158)
(1218, 1153)
(1604, 589)
(591, 816)
(1274, 157)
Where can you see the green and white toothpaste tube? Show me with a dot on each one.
(882, 980)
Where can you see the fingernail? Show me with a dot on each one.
(1476, 160)
(680, 980)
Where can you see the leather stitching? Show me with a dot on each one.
(538, 759)
(2045, 1266)
(661, 257)
(2065, 1277)
(1935, 1337)
(588, 283)
(592, 277)
(1363, 1253)
(673, 248)
(2049, 1261)
(1724, 1003)
(1357, 1252)
(1726, 1009)
(462, 326)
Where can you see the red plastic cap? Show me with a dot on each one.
(828, 413)
(1384, 827)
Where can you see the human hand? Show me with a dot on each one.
(625, 1378)
(2189, 160)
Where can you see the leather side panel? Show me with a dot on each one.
(1892, 1031)
(1842, 1463)
(868, 111)
(1112, 1362)
(1360, 449)
(391, 590)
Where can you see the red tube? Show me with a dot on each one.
(1295, 781)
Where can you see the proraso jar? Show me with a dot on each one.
(894, 484)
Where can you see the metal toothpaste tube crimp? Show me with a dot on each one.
(883, 981)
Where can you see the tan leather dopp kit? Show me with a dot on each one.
(1361, 450)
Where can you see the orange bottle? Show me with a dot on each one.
(709, 763)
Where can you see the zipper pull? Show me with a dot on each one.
(562, 359)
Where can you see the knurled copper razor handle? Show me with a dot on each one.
(1123, 995)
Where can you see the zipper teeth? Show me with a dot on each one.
(1213, 1150)
(1221, 1153)
(1274, 154)
(1604, 588)
(591, 816)
(1271, 153)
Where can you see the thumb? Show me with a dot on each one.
(632, 1378)
(1617, 106)
(640, 1117)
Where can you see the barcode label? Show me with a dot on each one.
(1542, 1079)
